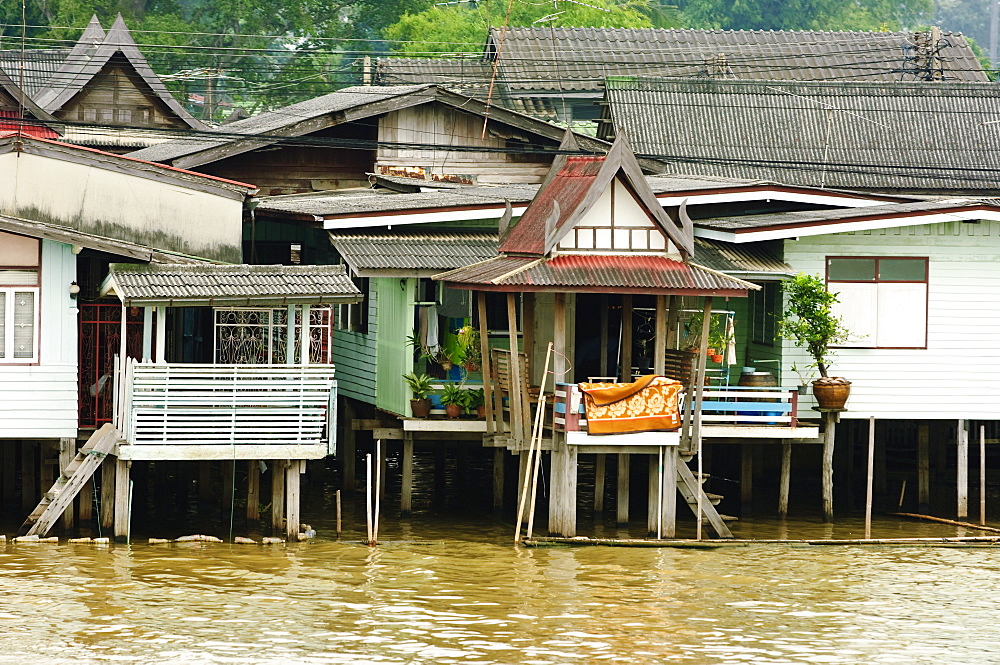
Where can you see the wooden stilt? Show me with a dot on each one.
(869, 485)
(829, 438)
(962, 461)
(671, 460)
(660, 337)
(923, 468)
(228, 479)
(626, 350)
(253, 491)
(786, 477)
(499, 459)
(562, 497)
(623, 480)
(383, 466)
(67, 451)
(528, 338)
(107, 516)
(603, 308)
(522, 474)
(29, 475)
(293, 475)
(746, 478)
(519, 430)
(347, 448)
(406, 490)
(484, 350)
(204, 481)
(600, 468)
(278, 473)
(8, 470)
(123, 513)
(654, 496)
(982, 474)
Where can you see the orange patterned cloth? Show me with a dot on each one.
(649, 404)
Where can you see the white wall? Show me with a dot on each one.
(40, 401)
(958, 375)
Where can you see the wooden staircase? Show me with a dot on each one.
(689, 488)
(68, 484)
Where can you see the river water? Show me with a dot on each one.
(458, 591)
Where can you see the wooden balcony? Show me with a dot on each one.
(205, 412)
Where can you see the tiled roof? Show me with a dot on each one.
(753, 258)
(580, 58)
(900, 136)
(39, 66)
(596, 273)
(466, 75)
(222, 285)
(413, 251)
(328, 204)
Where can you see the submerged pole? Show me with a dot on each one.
(869, 488)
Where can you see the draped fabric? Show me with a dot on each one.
(648, 404)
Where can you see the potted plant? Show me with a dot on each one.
(454, 399)
(468, 347)
(420, 386)
(476, 400)
(805, 375)
(809, 322)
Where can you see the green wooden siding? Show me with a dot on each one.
(354, 356)
(395, 320)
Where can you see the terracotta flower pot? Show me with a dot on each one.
(481, 411)
(420, 408)
(717, 358)
(453, 410)
(831, 392)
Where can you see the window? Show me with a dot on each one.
(764, 313)
(354, 317)
(883, 300)
(19, 261)
(259, 336)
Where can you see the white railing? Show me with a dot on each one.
(227, 404)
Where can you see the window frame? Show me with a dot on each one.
(9, 289)
(876, 281)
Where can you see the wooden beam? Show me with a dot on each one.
(528, 335)
(499, 461)
(516, 405)
(204, 480)
(962, 463)
(484, 351)
(923, 468)
(406, 489)
(562, 493)
(603, 307)
(673, 316)
(161, 335)
(107, 516)
(671, 460)
(626, 350)
(623, 481)
(829, 440)
(123, 514)
(9, 452)
(253, 490)
(67, 451)
(278, 495)
(293, 475)
(660, 338)
(786, 477)
(600, 471)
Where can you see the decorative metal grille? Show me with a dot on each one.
(259, 336)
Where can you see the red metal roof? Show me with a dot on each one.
(595, 273)
(569, 187)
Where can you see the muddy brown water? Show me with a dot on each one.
(456, 590)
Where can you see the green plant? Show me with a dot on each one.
(805, 374)
(716, 332)
(438, 355)
(476, 398)
(809, 320)
(419, 384)
(468, 346)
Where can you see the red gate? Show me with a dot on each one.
(100, 342)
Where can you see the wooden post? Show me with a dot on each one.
(67, 451)
(347, 448)
(870, 478)
(654, 498)
(522, 474)
(293, 474)
(829, 437)
(204, 480)
(228, 479)
(670, 461)
(699, 389)
(673, 316)
(600, 468)
(660, 338)
(290, 335)
(518, 430)
(626, 351)
(306, 338)
(383, 466)
(29, 475)
(962, 481)
(746, 478)
(147, 333)
(528, 338)
(278, 495)
(662, 515)
(982, 474)
(406, 489)
(484, 351)
(122, 508)
(253, 491)
(923, 468)
(562, 497)
(786, 477)
(499, 459)
(107, 516)
(623, 480)
(603, 307)
(161, 335)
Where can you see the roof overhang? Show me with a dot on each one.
(412, 255)
(861, 222)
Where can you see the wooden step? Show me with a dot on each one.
(65, 488)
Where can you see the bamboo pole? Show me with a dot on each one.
(942, 520)
(534, 458)
(539, 426)
(368, 497)
(982, 474)
(378, 492)
(698, 390)
(869, 487)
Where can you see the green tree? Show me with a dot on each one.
(463, 27)
(809, 320)
(807, 14)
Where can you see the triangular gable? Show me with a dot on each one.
(89, 58)
(585, 191)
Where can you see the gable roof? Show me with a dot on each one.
(879, 136)
(570, 190)
(343, 106)
(90, 55)
(580, 58)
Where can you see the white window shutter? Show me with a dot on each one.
(858, 307)
(3, 324)
(902, 315)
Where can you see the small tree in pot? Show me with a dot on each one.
(809, 322)
(420, 386)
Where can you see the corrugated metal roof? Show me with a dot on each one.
(881, 136)
(230, 284)
(814, 217)
(39, 66)
(593, 273)
(752, 258)
(469, 76)
(580, 58)
(413, 251)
